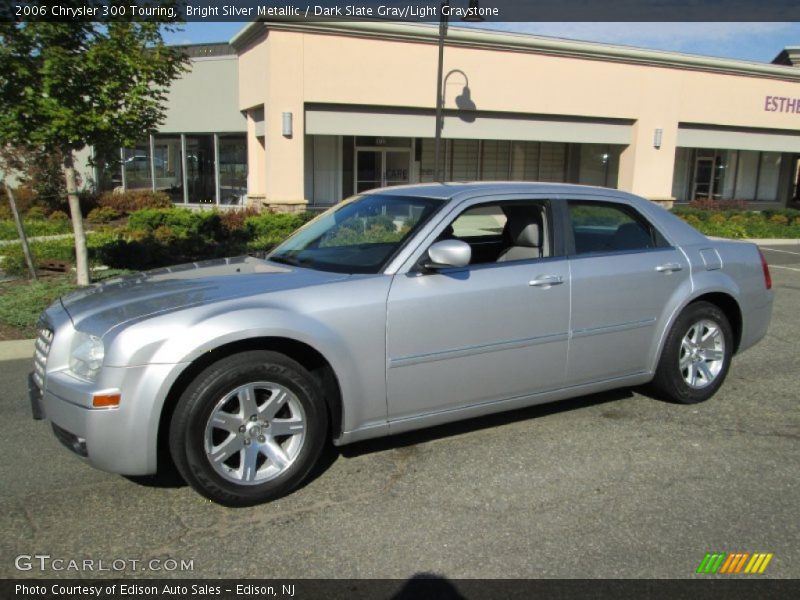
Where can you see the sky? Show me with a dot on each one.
(759, 42)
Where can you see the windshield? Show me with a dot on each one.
(360, 235)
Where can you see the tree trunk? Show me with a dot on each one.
(81, 253)
(26, 249)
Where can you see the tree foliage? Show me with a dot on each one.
(68, 85)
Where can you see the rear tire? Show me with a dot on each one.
(696, 355)
(249, 428)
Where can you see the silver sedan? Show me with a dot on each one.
(397, 309)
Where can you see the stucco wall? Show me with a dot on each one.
(289, 69)
(205, 100)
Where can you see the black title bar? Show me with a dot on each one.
(398, 10)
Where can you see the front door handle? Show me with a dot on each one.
(669, 267)
(546, 281)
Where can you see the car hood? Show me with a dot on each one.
(101, 307)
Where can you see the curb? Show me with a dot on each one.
(775, 241)
(16, 350)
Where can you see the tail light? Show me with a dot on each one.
(765, 268)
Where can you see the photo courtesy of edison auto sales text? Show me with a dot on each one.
(133, 589)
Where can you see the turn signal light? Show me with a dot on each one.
(105, 400)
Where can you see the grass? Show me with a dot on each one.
(22, 301)
(34, 228)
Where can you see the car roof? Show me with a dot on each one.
(449, 190)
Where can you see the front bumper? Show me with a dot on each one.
(122, 439)
(35, 397)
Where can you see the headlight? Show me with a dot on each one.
(86, 356)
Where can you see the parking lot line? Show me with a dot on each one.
(781, 251)
(784, 267)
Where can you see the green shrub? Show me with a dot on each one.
(58, 215)
(784, 223)
(233, 221)
(24, 197)
(269, 229)
(102, 214)
(133, 200)
(62, 249)
(158, 237)
(36, 212)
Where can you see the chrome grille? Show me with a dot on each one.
(40, 352)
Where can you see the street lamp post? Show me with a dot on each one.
(472, 16)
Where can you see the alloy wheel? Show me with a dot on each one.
(702, 354)
(255, 433)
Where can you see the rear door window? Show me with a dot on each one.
(609, 227)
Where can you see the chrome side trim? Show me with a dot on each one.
(415, 359)
(578, 333)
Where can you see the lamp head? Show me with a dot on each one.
(473, 15)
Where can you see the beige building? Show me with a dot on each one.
(337, 108)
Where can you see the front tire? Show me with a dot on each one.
(249, 428)
(696, 355)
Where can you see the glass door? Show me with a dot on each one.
(381, 167)
(703, 178)
(369, 170)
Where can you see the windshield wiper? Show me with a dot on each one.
(289, 260)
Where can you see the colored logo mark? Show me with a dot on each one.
(734, 562)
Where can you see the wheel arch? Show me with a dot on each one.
(724, 300)
(309, 357)
(730, 307)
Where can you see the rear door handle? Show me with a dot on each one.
(669, 267)
(546, 281)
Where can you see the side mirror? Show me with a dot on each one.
(448, 253)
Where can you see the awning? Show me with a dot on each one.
(400, 123)
(691, 136)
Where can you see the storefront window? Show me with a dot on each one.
(232, 169)
(525, 161)
(599, 165)
(108, 170)
(200, 169)
(553, 162)
(137, 167)
(725, 174)
(463, 160)
(168, 166)
(745, 175)
(495, 160)
(768, 177)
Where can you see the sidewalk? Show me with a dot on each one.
(16, 349)
(42, 238)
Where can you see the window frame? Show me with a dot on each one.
(556, 246)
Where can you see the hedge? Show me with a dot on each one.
(784, 223)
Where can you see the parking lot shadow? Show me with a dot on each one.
(478, 423)
(168, 477)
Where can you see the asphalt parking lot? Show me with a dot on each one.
(612, 485)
